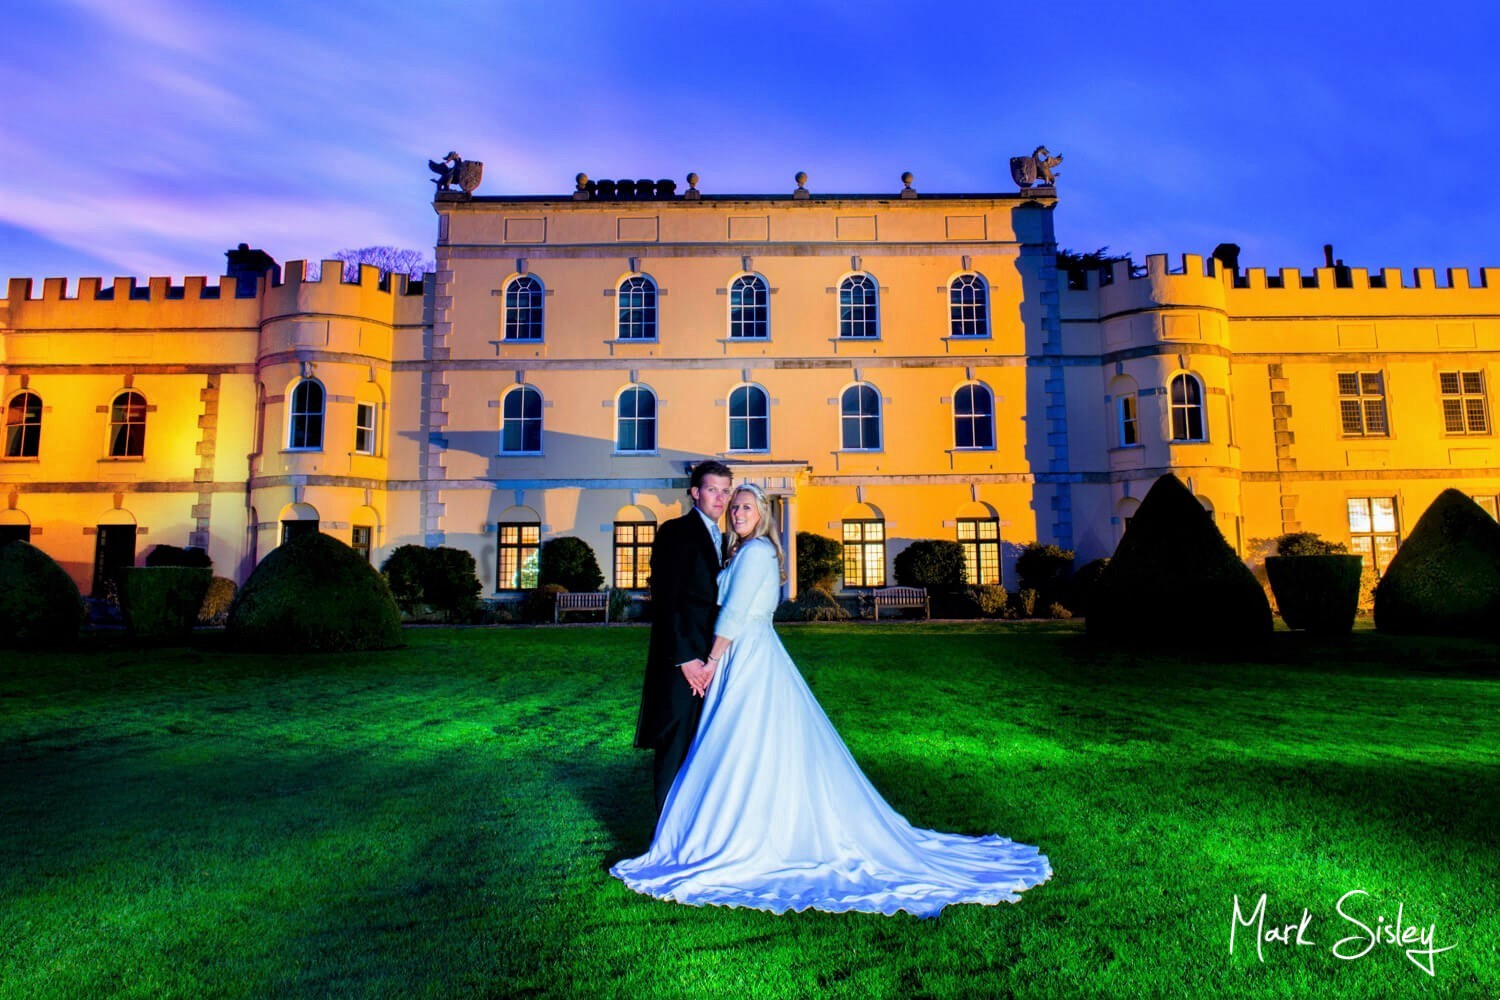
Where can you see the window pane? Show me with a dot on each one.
(1448, 381)
(1348, 384)
(1349, 416)
(1473, 382)
(1477, 419)
(1453, 416)
(1384, 509)
(1359, 516)
(1370, 383)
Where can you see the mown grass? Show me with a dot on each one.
(439, 820)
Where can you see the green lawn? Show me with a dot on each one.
(439, 820)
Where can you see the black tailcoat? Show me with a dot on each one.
(684, 604)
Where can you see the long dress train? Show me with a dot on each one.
(771, 812)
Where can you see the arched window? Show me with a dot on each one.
(523, 308)
(521, 421)
(974, 417)
(23, 425)
(860, 412)
(637, 308)
(127, 425)
(749, 419)
(305, 428)
(635, 420)
(864, 549)
(520, 537)
(968, 307)
(635, 534)
(749, 308)
(1187, 408)
(859, 307)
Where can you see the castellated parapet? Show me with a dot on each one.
(121, 320)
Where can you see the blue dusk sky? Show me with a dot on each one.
(146, 137)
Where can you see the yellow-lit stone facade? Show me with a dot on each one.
(889, 368)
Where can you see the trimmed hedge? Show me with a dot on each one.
(171, 555)
(812, 605)
(1174, 578)
(315, 594)
(569, 563)
(162, 601)
(539, 607)
(1318, 593)
(39, 603)
(1445, 578)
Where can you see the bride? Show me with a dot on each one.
(770, 811)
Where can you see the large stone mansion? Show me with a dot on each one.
(890, 367)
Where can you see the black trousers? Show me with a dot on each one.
(671, 754)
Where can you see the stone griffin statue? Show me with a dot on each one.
(1034, 169)
(454, 169)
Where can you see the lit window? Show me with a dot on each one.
(859, 409)
(1125, 415)
(364, 428)
(749, 419)
(864, 553)
(635, 423)
(633, 554)
(361, 540)
(749, 308)
(518, 555)
(1362, 404)
(1373, 532)
(1187, 408)
(859, 307)
(127, 425)
(637, 308)
(968, 307)
(305, 431)
(23, 425)
(292, 530)
(523, 308)
(521, 421)
(1464, 405)
(980, 539)
(974, 417)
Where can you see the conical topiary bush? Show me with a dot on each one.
(315, 594)
(1445, 578)
(1174, 578)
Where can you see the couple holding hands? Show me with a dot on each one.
(761, 804)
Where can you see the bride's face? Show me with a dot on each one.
(744, 514)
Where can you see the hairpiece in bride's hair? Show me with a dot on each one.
(751, 488)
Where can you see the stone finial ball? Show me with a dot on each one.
(906, 178)
(583, 181)
(692, 180)
(801, 178)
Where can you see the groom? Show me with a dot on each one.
(685, 560)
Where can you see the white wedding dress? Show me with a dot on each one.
(771, 812)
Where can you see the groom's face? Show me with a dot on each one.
(712, 495)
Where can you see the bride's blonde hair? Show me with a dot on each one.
(762, 527)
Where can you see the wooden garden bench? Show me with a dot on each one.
(902, 597)
(583, 601)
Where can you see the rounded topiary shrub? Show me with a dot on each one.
(1318, 593)
(933, 563)
(569, 563)
(39, 603)
(1445, 578)
(314, 593)
(1174, 578)
(540, 605)
(1045, 569)
(404, 569)
(820, 561)
(162, 602)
